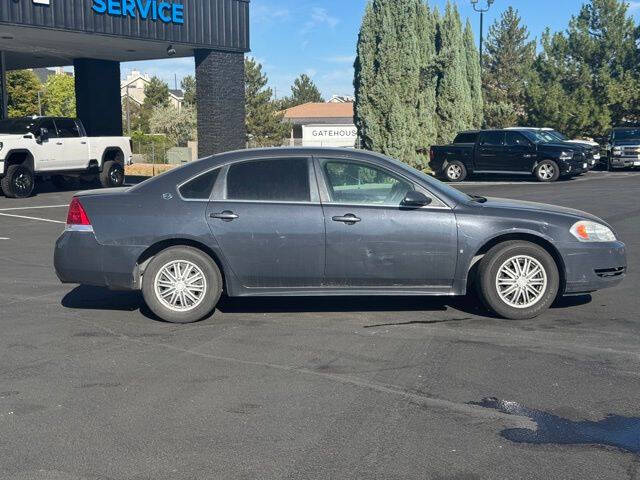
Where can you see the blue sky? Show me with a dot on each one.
(318, 37)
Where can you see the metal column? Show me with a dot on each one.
(4, 97)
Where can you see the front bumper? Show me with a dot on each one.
(593, 266)
(80, 259)
(625, 162)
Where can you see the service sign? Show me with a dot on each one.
(167, 12)
(329, 135)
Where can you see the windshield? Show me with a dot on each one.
(558, 135)
(18, 126)
(627, 134)
(539, 136)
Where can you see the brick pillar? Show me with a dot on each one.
(220, 101)
(98, 100)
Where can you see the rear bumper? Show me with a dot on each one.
(80, 259)
(591, 267)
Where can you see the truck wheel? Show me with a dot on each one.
(112, 174)
(182, 285)
(455, 172)
(18, 182)
(547, 171)
(518, 280)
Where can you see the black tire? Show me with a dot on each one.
(491, 266)
(455, 172)
(112, 174)
(547, 171)
(212, 285)
(62, 182)
(18, 182)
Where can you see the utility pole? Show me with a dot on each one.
(482, 11)
(39, 103)
(128, 112)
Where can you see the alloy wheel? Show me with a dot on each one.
(180, 285)
(546, 172)
(454, 172)
(521, 281)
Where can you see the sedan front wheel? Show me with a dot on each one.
(518, 280)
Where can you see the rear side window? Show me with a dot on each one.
(492, 138)
(469, 137)
(67, 128)
(285, 180)
(200, 187)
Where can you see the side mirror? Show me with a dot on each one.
(43, 134)
(415, 199)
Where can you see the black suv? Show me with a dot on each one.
(623, 148)
(510, 151)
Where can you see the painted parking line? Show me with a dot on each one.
(36, 207)
(4, 238)
(32, 218)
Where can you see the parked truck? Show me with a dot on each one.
(623, 148)
(508, 152)
(57, 148)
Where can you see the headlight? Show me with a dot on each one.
(617, 150)
(566, 155)
(596, 156)
(586, 231)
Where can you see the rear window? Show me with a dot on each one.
(200, 187)
(285, 180)
(468, 137)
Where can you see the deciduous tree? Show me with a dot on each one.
(59, 97)
(22, 88)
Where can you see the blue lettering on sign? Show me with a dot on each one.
(167, 12)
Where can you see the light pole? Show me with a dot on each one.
(482, 11)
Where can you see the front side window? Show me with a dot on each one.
(200, 187)
(515, 139)
(50, 126)
(357, 183)
(67, 128)
(277, 180)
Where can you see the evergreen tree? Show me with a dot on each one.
(59, 97)
(390, 71)
(156, 93)
(188, 86)
(427, 117)
(474, 77)
(454, 105)
(22, 88)
(264, 124)
(507, 65)
(305, 91)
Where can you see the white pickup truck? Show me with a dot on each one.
(57, 148)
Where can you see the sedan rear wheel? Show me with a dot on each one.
(518, 280)
(182, 285)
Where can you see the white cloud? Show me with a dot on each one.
(267, 14)
(320, 16)
(341, 59)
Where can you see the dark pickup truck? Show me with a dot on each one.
(508, 152)
(623, 148)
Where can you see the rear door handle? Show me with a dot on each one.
(349, 219)
(83, 143)
(227, 216)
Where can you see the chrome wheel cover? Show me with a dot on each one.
(521, 281)
(180, 286)
(454, 172)
(546, 171)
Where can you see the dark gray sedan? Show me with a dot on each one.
(286, 222)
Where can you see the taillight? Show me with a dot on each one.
(77, 215)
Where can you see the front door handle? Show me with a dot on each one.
(59, 143)
(349, 219)
(226, 216)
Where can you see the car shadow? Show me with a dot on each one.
(98, 298)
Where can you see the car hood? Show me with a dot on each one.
(507, 204)
(562, 146)
(586, 143)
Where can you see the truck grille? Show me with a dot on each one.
(631, 151)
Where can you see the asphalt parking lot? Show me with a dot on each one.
(92, 387)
